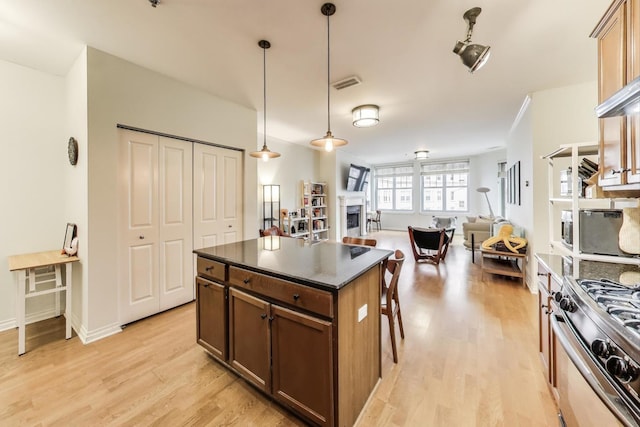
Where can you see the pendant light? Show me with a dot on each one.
(328, 141)
(264, 154)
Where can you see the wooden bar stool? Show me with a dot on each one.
(390, 304)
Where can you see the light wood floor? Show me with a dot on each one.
(469, 359)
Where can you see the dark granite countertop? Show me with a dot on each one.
(326, 264)
(627, 274)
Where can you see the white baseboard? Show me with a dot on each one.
(85, 336)
(31, 318)
(90, 336)
(5, 325)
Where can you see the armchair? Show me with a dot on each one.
(474, 234)
(429, 244)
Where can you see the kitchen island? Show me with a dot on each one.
(300, 321)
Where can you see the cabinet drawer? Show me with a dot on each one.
(211, 269)
(290, 293)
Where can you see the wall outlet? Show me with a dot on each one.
(362, 313)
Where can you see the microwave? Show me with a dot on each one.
(598, 231)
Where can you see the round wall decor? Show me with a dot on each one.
(72, 151)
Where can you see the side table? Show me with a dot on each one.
(504, 263)
(32, 272)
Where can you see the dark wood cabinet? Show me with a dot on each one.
(298, 342)
(211, 317)
(250, 338)
(548, 286)
(314, 350)
(618, 34)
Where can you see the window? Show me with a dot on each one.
(394, 188)
(445, 186)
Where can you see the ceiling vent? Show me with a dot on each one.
(348, 82)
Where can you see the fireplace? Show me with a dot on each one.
(353, 219)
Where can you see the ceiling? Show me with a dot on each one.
(402, 52)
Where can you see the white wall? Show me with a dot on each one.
(120, 92)
(33, 168)
(295, 164)
(557, 116)
(76, 194)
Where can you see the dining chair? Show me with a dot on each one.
(359, 241)
(375, 220)
(390, 303)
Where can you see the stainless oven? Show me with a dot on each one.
(581, 388)
(596, 349)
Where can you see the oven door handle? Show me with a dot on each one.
(573, 352)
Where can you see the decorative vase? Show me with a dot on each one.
(629, 235)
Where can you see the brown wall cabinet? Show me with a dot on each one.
(618, 34)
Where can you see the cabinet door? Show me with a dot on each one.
(612, 72)
(249, 338)
(299, 342)
(211, 317)
(544, 302)
(633, 37)
(633, 72)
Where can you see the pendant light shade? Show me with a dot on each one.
(328, 141)
(473, 56)
(264, 154)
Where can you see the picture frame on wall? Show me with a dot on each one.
(513, 184)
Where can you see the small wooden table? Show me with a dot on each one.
(504, 263)
(37, 265)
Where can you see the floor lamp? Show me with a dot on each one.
(485, 190)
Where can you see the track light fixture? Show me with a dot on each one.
(264, 154)
(474, 56)
(328, 141)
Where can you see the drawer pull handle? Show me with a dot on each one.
(206, 285)
(542, 274)
(263, 316)
(141, 237)
(246, 281)
(208, 268)
(296, 297)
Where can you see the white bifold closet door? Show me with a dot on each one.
(217, 196)
(155, 253)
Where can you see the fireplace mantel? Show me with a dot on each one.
(352, 200)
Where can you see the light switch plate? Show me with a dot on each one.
(362, 313)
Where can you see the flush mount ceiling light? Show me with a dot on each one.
(474, 56)
(264, 154)
(365, 116)
(421, 154)
(328, 141)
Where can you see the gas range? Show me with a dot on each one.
(604, 315)
(620, 302)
